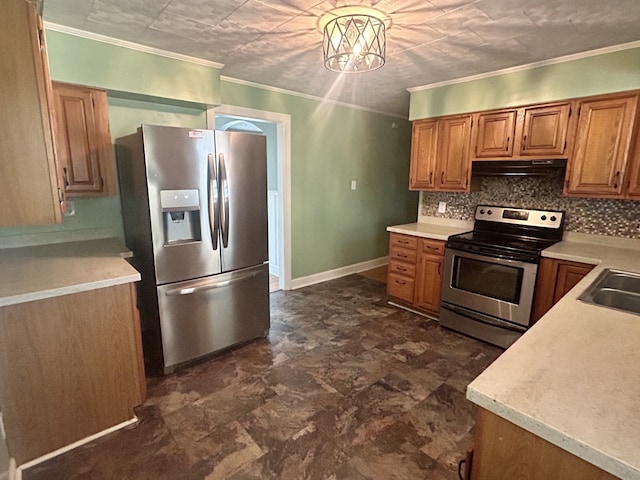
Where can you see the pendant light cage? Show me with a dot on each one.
(354, 43)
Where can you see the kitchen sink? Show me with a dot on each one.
(615, 289)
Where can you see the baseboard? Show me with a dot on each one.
(67, 448)
(338, 272)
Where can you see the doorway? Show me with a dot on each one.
(276, 127)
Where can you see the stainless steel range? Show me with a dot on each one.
(490, 273)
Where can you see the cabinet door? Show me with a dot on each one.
(544, 130)
(423, 155)
(454, 137)
(633, 190)
(83, 140)
(569, 274)
(29, 178)
(495, 134)
(602, 146)
(429, 275)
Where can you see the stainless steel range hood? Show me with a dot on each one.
(517, 168)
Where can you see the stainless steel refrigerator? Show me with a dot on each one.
(195, 216)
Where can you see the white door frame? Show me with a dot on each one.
(283, 122)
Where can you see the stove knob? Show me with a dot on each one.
(543, 218)
(489, 212)
(553, 218)
(482, 211)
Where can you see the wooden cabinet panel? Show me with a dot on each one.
(544, 130)
(633, 183)
(70, 366)
(400, 287)
(397, 240)
(453, 154)
(504, 451)
(83, 140)
(29, 177)
(602, 147)
(402, 268)
(429, 282)
(494, 134)
(415, 271)
(440, 154)
(555, 278)
(424, 141)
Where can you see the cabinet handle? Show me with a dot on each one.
(430, 247)
(442, 178)
(615, 185)
(403, 241)
(401, 255)
(401, 282)
(439, 269)
(65, 177)
(506, 148)
(430, 177)
(401, 269)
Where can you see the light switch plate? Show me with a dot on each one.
(442, 207)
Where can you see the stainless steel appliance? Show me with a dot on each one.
(490, 273)
(195, 217)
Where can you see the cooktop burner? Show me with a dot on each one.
(506, 230)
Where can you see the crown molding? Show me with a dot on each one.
(308, 97)
(133, 46)
(530, 66)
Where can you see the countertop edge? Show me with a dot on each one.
(586, 452)
(78, 288)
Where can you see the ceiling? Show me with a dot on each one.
(278, 42)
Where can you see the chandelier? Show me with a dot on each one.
(354, 42)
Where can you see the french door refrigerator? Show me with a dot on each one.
(195, 216)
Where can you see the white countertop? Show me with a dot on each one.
(574, 378)
(437, 231)
(44, 271)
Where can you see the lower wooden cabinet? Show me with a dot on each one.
(415, 272)
(555, 279)
(70, 367)
(504, 451)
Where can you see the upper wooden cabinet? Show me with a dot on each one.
(29, 177)
(424, 140)
(494, 134)
(543, 130)
(599, 164)
(83, 140)
(440, 154)
(536, 131)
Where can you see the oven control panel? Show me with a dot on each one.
(520, 216)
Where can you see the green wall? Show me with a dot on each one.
(332, 226)
(611, 72)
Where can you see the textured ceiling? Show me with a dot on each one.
(277, 42)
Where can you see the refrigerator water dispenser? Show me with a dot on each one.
(181, 216)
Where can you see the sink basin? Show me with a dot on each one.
(615, 289)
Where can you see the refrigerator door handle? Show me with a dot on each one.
(214, 200)
(210, 285)
(224, 188)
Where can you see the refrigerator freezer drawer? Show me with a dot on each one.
(199, 317)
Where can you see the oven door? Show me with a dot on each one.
(492, 286)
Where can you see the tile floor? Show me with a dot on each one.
(344, 387)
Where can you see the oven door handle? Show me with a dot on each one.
(483, 318)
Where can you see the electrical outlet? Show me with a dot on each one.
(442, 207)
(2, 432)
(353, 184)
(71, 209)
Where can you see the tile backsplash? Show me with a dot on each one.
(619, 218)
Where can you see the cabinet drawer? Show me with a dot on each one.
(402, 268)
(433, 247)
(403, 255)
(400, 287)
(403, 241)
